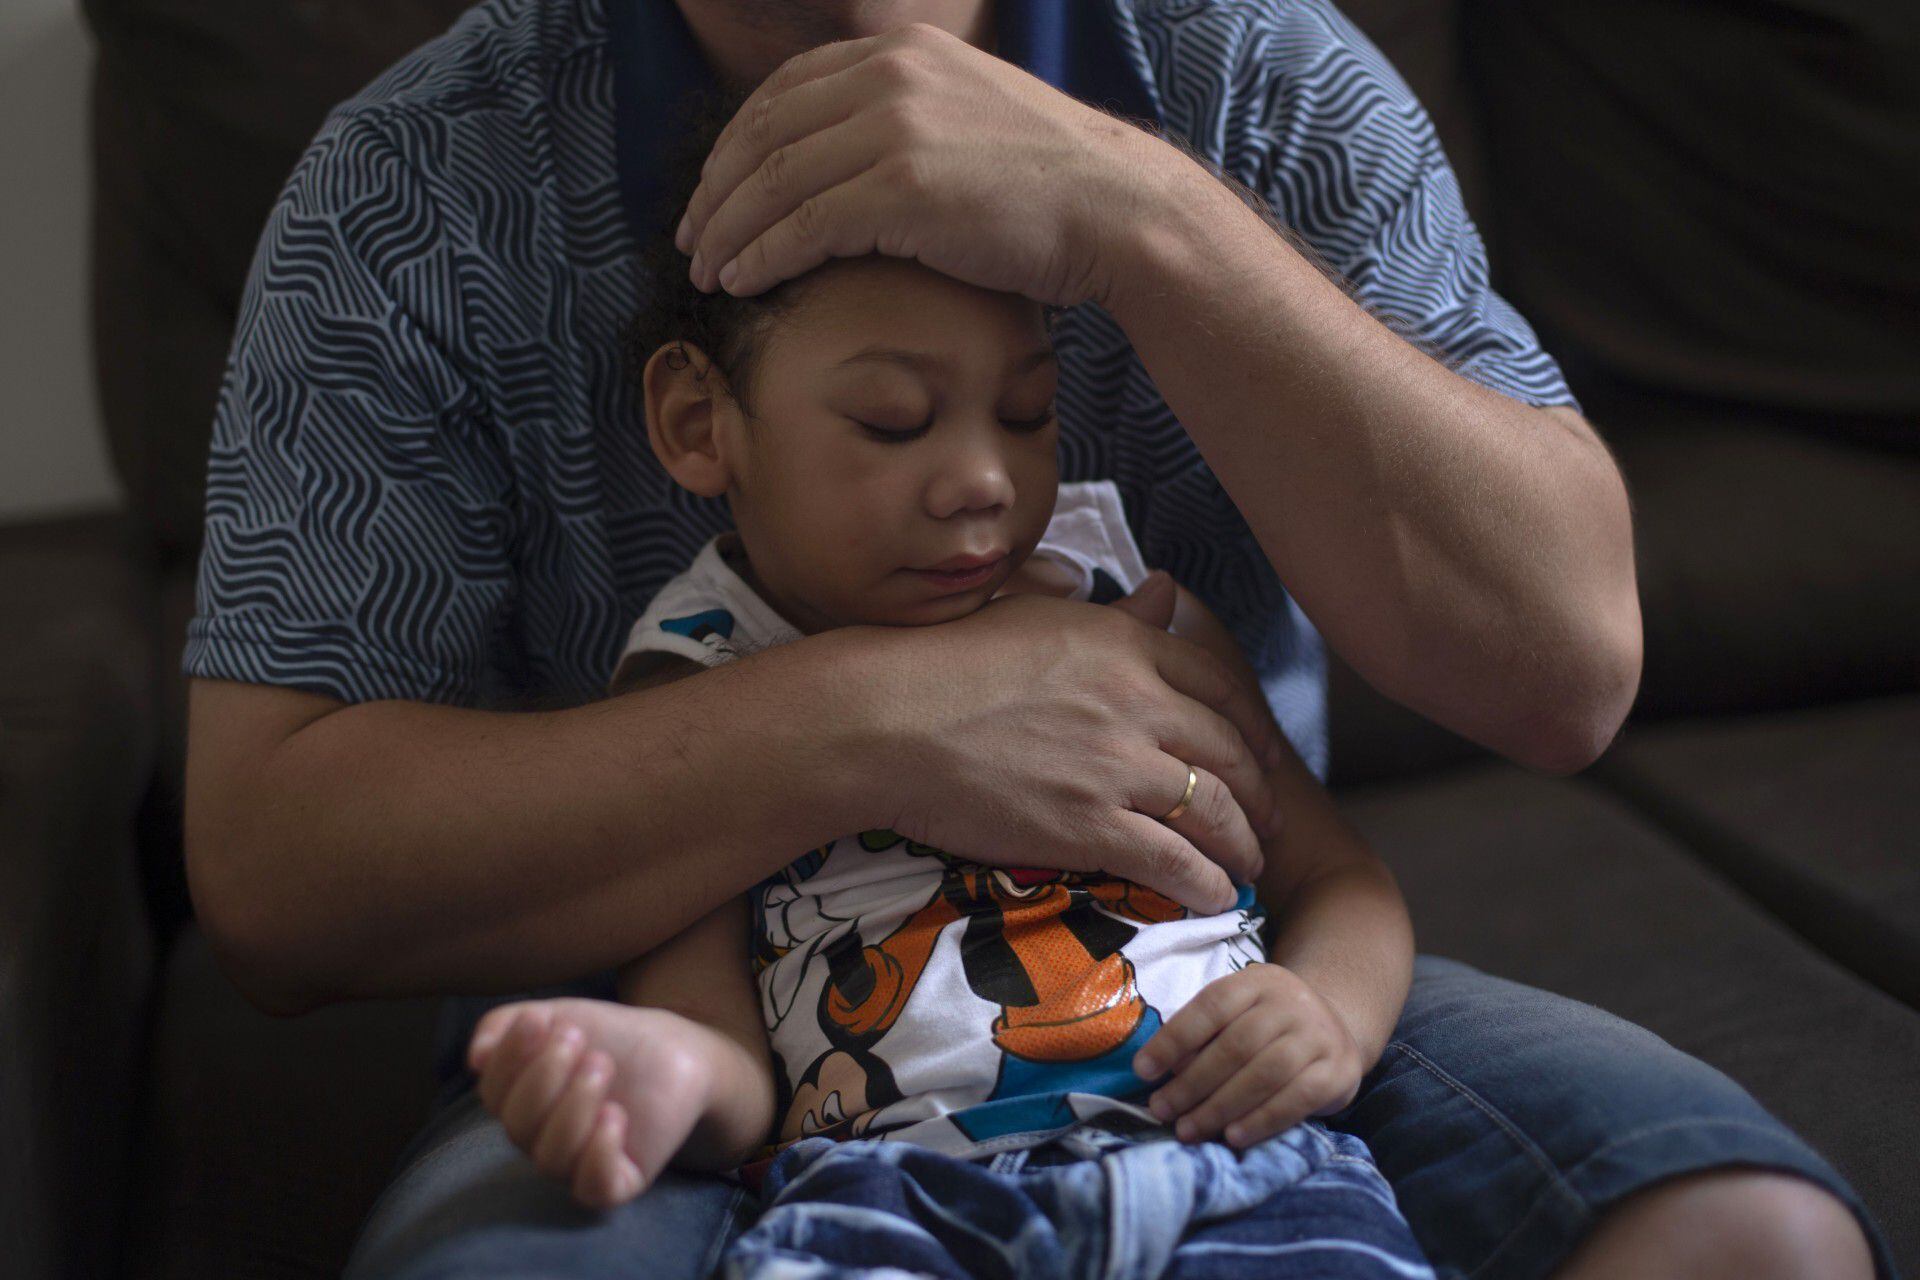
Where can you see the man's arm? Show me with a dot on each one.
(1468, 554)
(392, 848)
(398, 847)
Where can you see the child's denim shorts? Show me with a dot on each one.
(1089, 1204)
(1507, 1119)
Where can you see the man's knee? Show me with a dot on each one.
(1746, 1225)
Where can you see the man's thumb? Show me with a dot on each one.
(1152, 601)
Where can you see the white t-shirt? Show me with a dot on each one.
(914, 995)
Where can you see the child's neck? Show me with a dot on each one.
(806, 621)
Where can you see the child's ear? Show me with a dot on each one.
(683, 395)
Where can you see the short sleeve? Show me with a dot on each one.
(1294, 101)
(359, 506)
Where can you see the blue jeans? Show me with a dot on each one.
(1507, 1120)
(1306, 1204)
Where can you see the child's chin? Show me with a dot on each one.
(926, 613)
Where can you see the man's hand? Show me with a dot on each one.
(916, 144)
(1055, 733)
(1254, 1053)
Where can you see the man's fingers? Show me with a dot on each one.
(763, 125)
(1205, 678)
(1151, 853)
(842, 222)
(1153, 601)
(1213, 822)
(789, 175)
(1202, 737)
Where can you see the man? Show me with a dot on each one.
(427, 502)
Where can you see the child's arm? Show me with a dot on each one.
(704, 977)
(1256, 1052)
(604, 1095)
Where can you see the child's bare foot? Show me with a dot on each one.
(599, 1095)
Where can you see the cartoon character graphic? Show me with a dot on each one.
(1044, 946)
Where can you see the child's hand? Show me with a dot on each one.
(599, 1095)
(1255, 1053)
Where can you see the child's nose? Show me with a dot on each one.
(969, 479)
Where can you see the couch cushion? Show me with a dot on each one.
(1815, 814)
(1714, 198)
(1552, 882)
(263, 1140)
(1777, 569)
(76, 728)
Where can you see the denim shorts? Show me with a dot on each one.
(1506, 1119)
(1305, 1204)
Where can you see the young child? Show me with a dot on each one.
(956, 1064)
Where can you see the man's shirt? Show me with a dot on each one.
(429, 480)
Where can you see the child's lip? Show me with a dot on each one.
(978, 569)
(957, 564)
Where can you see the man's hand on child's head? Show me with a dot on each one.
(1253, 1054)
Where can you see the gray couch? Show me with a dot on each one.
(1740, 873)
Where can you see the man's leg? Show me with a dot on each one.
(468, 1204)
(1528, 1136)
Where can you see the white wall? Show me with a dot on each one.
(52, 455)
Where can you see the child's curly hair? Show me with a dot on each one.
(673, 310)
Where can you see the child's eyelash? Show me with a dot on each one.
(891, 435)
(1030, 424)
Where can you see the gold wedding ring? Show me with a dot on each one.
(1193, 780)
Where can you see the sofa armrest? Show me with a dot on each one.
(75, 963)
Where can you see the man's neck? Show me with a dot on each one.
(744, 41)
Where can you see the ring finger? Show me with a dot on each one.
(1212, 820)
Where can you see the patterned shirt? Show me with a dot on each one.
(428, 479)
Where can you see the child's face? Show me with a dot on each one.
(902, 420)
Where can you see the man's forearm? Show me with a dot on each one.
(396, 848)
(1468, 554)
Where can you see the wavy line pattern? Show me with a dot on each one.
(429, 481)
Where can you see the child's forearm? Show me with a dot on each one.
(1346, 932)
(703, 976)
(739, 1112)
(1343, 925)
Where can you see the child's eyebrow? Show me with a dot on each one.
(924, 361)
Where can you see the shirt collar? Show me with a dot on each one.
(1074, 45)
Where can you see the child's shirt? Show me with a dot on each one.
(912, 994)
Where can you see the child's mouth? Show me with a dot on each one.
(961, 579)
